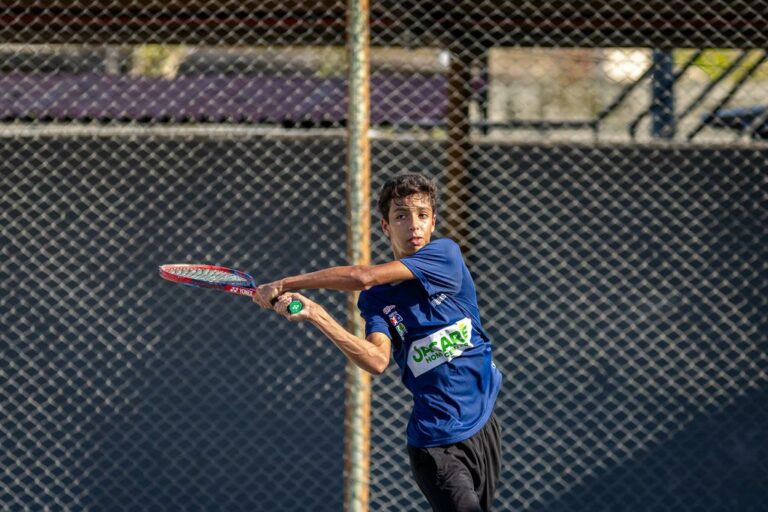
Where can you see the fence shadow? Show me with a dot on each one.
(718, 463)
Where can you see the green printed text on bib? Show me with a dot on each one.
(439, 347)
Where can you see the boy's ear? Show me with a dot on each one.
(385, 227)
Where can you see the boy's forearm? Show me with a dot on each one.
(360, 351)
(346, 278)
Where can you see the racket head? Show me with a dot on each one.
(214, 276)
(209, 276)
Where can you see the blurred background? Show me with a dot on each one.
(602, 164)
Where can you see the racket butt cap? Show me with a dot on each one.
(295, 306)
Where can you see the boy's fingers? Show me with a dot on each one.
(282, 303)
(262, 297)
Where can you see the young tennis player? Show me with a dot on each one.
(422, 308)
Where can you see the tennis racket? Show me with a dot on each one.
(218, 278)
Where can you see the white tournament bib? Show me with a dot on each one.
(440, 347)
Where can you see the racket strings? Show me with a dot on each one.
(212, 276)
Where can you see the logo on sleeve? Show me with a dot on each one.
(440, 347)
(396, 320)
(438, 299)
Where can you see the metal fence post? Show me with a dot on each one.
(663, 95)
(457, 177)
(358, 397)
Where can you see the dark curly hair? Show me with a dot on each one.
(401, 186)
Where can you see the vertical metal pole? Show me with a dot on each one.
(457, 177)
(358, 385)
(485, 86)
(663, 96)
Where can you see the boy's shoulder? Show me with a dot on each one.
(438, 245)
(444, 242)
(438, 250)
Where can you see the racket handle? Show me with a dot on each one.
(294, 307)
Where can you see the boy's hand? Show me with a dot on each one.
(266, 293)
(307, 312)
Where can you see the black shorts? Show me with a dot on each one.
(460, 477)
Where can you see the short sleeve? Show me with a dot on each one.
(374, 319)
(438, 266)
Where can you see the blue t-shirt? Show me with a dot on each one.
(439, 344)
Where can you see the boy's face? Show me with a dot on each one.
(410, 224)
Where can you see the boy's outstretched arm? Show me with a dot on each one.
(347, 278)
(370, 354)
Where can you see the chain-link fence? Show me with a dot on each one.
(601, 163)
